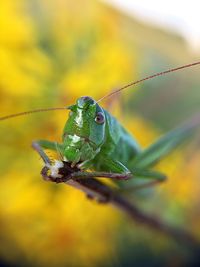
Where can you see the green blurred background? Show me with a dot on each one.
(52, 52)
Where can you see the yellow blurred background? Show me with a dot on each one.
(51, 53)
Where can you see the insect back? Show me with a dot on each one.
(84, 131)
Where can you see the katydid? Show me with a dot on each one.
(95, 144)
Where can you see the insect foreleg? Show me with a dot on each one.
(53, 166)
(48, 145)
(107, 164)
(37, 146)
(44, 144)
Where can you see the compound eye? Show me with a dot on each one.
(100, 119)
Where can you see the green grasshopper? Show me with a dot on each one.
(95, 144)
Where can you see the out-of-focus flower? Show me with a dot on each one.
(49, 57)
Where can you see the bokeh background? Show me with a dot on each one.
(52, 52)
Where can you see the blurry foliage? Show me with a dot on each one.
(52, 52)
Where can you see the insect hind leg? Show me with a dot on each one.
(153, 178)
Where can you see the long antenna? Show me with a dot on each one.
(29, 112)
(148, 78)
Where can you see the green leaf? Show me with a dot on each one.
(164, 145)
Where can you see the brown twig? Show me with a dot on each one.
(103, 193)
